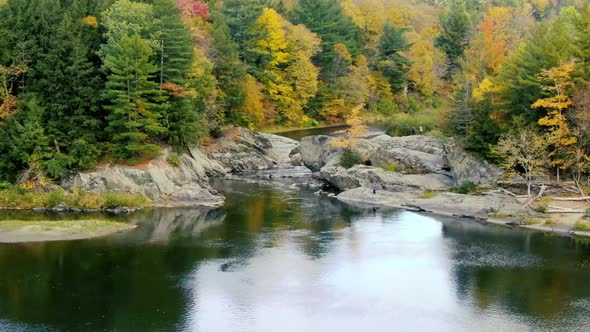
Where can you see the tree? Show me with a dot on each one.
(559, 80)
(580, 118)
(327, 20)
(135, 110)
(175, 56)
(525, 153)
(357, 129)
(518, 82)
(230, 73)
(393, 64)
(239, 17)
(453, 39)
(281, 56)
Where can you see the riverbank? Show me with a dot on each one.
(58, 200)
(20, 231)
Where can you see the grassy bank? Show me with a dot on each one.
(32, 231)
(19, 199)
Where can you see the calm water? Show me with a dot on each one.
(291, 261)
(372, 130)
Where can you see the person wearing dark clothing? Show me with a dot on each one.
(374, 187)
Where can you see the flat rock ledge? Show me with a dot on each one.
(444, 203)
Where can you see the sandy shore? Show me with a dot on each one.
(18, 231)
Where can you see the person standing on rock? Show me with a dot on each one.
(374, 187)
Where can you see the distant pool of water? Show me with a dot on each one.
(280, 260)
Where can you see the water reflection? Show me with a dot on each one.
(290, 260)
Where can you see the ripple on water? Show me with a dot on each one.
(491, 255)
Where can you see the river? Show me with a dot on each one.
(288, 260)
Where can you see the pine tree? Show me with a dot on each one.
(239, 16)
(393, 64)
(174, 56)
(453, 39)
(134, 112)
(230, 73)
(326, 19)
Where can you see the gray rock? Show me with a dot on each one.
(75, 210)
(316, 151)
(158, 180)
(364, 176)
(242, 150)
(443, 203)
(40, 209)
(467, 167)
(421, 162)
(121, 210)
(90, 210)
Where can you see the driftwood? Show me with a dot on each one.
(539, 195)
(508, 192)
(566, 211)
(585, 198)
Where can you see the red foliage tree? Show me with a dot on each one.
(194, 8)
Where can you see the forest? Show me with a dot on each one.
(84, 82)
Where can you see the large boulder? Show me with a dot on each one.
(316, 151)
(420, 154)
(242, 150)
(420, 161)
(465, 166)
(364, 176)
(158, 180)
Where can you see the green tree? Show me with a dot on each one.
(393, 64)
(453, 39)
(135, 99)
(326, 19)
(230, 73)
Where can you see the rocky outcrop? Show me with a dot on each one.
(465, 166)
(161, 182)
(419, 162)
(473, 206)
(363, 176)
(187, 184)
(242, 150)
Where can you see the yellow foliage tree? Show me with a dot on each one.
(357, 129)
(559, 79)
(288, 76)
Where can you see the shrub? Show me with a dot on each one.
(583, 226)
(587, 213)
(112, 200)
(54, 198)
(5, 185)
(542, 208)
(350, 158)
(174, 159)
(467, 187)
(550, 222)
(427, 194)
(391, 167)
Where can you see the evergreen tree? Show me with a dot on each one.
(392, 63)
(326, 19)
(134, 112)
(230, 73)
(518, 81)
(174, 56)
(453, 39)
(22, 138)
(239, 16)
(66, 82)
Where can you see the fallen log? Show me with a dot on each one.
(585, 198)
(566, 211)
